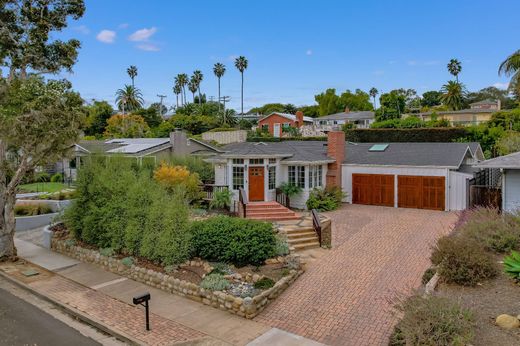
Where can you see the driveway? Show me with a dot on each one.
(346, 296)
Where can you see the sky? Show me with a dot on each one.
(295, 49)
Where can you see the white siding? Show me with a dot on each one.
(511, 190)
(458, 190)
(220, 174)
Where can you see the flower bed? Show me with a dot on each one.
(231, 299)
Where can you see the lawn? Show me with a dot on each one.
(42, 187)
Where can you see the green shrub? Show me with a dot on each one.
(214, 282)
(221, 199)
(387, 135)
(326, 199)
(233, 240)
(463, 261)
(427, 275)
(512, 265)
(264, 283)
(282, 247)
(32, 209)
(220, 268)
(290, 189)
(42, 177)
(57, 178)
(433, 321)
(108, 252)
(194, 164)
(127, 261)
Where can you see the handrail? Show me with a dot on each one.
(242, 198)
(210, 189)
(316, 223)
(282, 198)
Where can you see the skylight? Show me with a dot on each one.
(378, 147)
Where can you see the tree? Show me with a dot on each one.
(192, 86)
(126, 126)
(132, 72)
(392, 104)
(39, 123)
(511, 68)
(151, 115)
(492, 93)
(227, 117)
(431, 98)
(198, 78)
(509, 143)
(310, 111)
(373, 93)
(25, 31)
(328, 102)
(453, 95)
(177, 90)
(97, 116)
(219, 70)
(454, 67)
(129, 99)
(182, 80)
(357, 101)
(241, 64)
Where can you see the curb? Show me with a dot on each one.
(71, 311)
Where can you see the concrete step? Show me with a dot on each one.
(274, 218)
(302, 240)
(297, 235)
(269, 211)
(306, 246)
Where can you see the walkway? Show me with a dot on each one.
(346, 296)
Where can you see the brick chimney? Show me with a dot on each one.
(299, 118)
(336, 151)
(179, 142)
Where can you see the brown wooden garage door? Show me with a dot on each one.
(421, 192)
(373, 189)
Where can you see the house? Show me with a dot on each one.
(361, 120)
(479, 112)
(275, 123)
(510, 168)
(413, 175)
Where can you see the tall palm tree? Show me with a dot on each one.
(193, 86)
(177, 89)
(132, 72)
(241, 64)
(219, 70)
(182, 80)
(453, 95)
(373, 92)
(197, 74)
(454, 67)
(129, 99)
(511, 67)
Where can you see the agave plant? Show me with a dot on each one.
(512, 265)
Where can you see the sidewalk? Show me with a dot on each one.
(107, 298)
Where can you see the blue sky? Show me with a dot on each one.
(295, 48)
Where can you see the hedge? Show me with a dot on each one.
(282, 139)
(405, 135)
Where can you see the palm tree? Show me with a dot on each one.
(511, 67)
(227, 117)
(373, 92)
(241, 65)
(219, 70)
(198, 78)
(129, 99)
(453, 95)
(182, 80)
(177, 89)
(193, 86)
(132, 72)
(454, 67)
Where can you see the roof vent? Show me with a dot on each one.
(260, 143)
(378, 147)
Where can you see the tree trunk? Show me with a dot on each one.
(200, 98)
(7, 220)
(242, 98)
(177, 100)
(219, 93)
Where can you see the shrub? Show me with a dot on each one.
(427, 275)
(233, 240)
(221, 199)
(32, 209)
(264, 283)
(512, 265)
(462, 261)
(282, 247)
(326, 199)
(214, 282)
(108, 252)
(194, 164)
(433, 321)
(290, 189)
(57, 178)
(437, 134)
(179, 178)
(127, 261)
(42, 177)
(221, 268)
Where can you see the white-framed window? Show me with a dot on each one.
(238, 161)
(297, 176)
(272, 161)
(238, 177)
(272, 177)
(315, 176)
(256, 161)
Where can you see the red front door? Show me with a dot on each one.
(256, 183)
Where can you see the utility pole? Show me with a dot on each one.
(161, 106)
(225, 99)
(211, 98)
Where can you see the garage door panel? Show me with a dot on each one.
(423, 192)
(373, 189)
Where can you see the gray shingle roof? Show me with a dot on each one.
(291, 151)
(511, 161)
(348, 116)
(289, 116)
(485, 102)
(462, 111)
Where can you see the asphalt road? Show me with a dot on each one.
(24, 324)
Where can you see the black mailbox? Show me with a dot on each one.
(142, 298)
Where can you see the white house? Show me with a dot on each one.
(362, 119)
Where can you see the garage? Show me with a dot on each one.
(421, 192)
(373, 189)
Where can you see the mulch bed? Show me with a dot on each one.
(487, 301)
(272, 271)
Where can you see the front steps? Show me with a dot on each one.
(269, 211)
(302, 238)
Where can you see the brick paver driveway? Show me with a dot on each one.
(346, 297)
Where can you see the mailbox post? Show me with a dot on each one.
(143, 300)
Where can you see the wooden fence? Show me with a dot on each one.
(485, 196)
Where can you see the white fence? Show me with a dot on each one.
(226, 137)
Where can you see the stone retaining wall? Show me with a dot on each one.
(246, 307)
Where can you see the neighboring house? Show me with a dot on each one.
(479, 112)
(361, 120)
(414, 175)
(510, 167)
(275, 123)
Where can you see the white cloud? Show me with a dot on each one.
(142, 34)
(82, 29)
(149, 47)
(501, 85)
(309, 52)
(106, 36)
(378, 72)
(123, 25)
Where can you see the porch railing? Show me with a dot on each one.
(282, 198)
(242, 202)
(210, 189)
(316, 223)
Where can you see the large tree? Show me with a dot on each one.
(328, 102)
(355, 101)
(193, 86)
(511, 67)
(126, 126)
(182, 80)
(129, 99)
(132, 73)
(241, 64)
(177, 90)
(392, 104)
(97, 115)
(454, 68)
(373, 93)
(431, 98)
(219, 70)
(198, 77)
(453, 94)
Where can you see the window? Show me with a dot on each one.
(297, 176)
(272, 178)
(265, 128)
(315, 176)
(238, 177)
(286, 125)
(272, 161)
(238, 161)
(256, 161)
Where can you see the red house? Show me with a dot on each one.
(274, 123)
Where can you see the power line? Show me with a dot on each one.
(161, 106)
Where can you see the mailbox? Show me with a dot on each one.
(142, 298)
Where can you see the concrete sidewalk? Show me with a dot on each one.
(219, 326)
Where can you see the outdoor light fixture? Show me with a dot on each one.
(143, 300)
